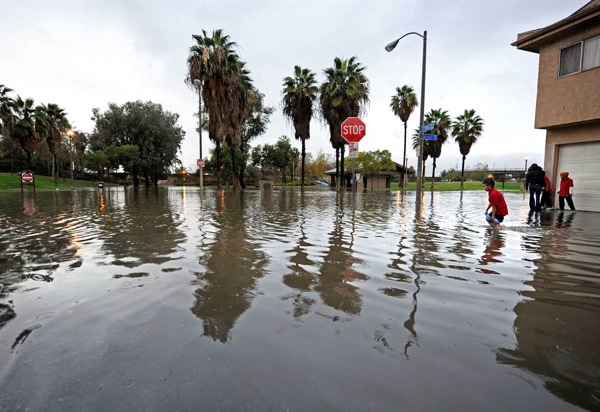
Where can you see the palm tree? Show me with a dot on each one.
(56, 125)
(343, 94)
(7, 119)
(441, 122)
(29, 121)
(426, 150)
(403, 104)
(299, 94)
(466, 128)
(214, 62)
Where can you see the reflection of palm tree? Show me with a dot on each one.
(337, 272)
(228, 286)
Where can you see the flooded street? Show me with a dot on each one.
(178, 299)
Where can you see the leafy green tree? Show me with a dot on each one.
(225, 86)
(403, 104)
(254, 124)
(466, 129)
(343, 94)
(147, 126)
(97, 161)
(299, 95)
(370, 163)
(441, 121)
(275, 158)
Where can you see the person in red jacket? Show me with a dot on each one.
(546, 194)
(565, 191)
(496, 204)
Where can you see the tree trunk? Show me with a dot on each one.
(303, 158)
(337, 167)
(136, 178)
(234, 169)
(433, 174)
(462, 174)
(241, 177)
(155, 180)
(146, 179)
(54, 171)
(343, 171)
(404, 161)
(218, 153)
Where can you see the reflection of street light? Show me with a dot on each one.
(71, 134)
(198, 84)
(389, 48)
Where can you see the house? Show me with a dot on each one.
(380, 180)
(568, 99)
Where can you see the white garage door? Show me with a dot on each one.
(582, 161)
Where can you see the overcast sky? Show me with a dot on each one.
(85, 54)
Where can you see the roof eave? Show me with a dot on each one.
(532, 40)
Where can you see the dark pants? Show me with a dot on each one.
(535, 191)
(546, 199)
(561, 202)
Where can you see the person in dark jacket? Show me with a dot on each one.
(534, 182)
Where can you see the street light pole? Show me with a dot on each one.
(198, 84)
(525, 173)
(389, 48)
(70, 133)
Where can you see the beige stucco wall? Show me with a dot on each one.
(569, 99)
(567, 135)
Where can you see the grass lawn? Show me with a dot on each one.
(455, 186)
(13, 182)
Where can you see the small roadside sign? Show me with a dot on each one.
(353, 150)
(200, 162)
(428, 127)
(430, 136)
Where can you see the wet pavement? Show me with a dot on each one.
(179, 299)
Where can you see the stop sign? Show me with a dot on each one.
(27, 177)
(353, 129)
(200, 162)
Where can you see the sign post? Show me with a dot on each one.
(353, 130)
(27, 178)
(200, 163)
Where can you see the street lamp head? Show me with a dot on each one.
(392, 45)
(70, 133)
(197, 83)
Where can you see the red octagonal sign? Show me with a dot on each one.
(353, 129)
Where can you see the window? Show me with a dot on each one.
(579, 56)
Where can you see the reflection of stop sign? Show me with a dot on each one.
(200, 162)
(27, 177)
(353, 129)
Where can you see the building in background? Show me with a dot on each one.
(568, 99)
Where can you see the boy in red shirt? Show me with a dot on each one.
(496, 204)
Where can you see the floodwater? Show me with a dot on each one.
(177, 299)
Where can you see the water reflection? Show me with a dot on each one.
(556, 325)
(232, 267)
(306, 288)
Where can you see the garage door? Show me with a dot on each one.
(582, 161)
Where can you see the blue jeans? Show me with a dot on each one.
(535, 190)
